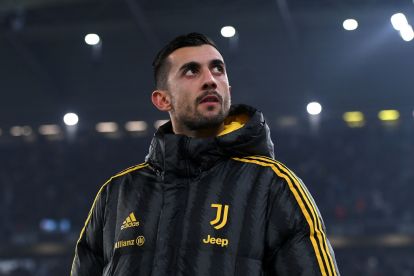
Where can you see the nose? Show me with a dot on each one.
(209, 82)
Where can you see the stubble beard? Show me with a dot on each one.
(194, 120)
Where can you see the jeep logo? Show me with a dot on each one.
(216, 241)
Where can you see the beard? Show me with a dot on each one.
(194, 120)
(199, 121)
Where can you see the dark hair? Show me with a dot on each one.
(160, 64)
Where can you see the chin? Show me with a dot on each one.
(211, 109)
(213, 115)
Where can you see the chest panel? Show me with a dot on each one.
(213, 224)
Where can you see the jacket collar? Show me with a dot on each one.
(246, 133)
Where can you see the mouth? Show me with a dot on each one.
(209, 99)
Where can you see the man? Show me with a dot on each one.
(210, 199)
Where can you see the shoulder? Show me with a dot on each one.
(285, 181)
(282, 175)
(130, 169)
(277, 167)
(123, 173)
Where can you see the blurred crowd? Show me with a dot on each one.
(360, 178)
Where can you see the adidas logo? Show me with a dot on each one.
(130, 221)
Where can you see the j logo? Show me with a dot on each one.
(216, 222)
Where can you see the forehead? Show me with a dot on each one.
(201, 54)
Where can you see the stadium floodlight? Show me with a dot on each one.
(228, 31)
(70, 119)
(350, 24)
(389, 115)
(92, 39)
(136, 126)
(407, 33)
(16, 131)
(107, 127)
(354, 118)
(398, 21)
(159, 123)
(314, 108)
(49, 130)
(48, 225)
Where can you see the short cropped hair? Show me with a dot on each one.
(161, 66)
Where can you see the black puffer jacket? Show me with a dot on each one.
(215, 206)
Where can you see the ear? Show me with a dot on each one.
(229, 89)
(161, 99)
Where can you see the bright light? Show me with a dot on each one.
(354, 118)
(70, 119)
(16, 131)
(389, 115)
(48, 225)
(106, 127)
(136, 126)
(49, 130)
(159, 123)
(350, 24)
(92, 39)
(407, 33)
(228, 31)
(314, 108)
(398, 21)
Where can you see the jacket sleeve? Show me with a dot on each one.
(89, 256)
(296, 243)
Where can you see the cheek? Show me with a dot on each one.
(225, 80)
(184, 94)
(224, 83)
(182, 101)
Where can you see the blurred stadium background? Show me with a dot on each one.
(356, 155)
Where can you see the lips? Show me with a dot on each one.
(209, 97)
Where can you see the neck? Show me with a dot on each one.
(199, 133)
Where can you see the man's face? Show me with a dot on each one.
(198, 87)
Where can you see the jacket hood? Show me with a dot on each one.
(246, 133)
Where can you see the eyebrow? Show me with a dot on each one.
(217, 62)
(188, 65)
(193, 64)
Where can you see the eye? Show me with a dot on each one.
(191, 71)
(218, 69)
